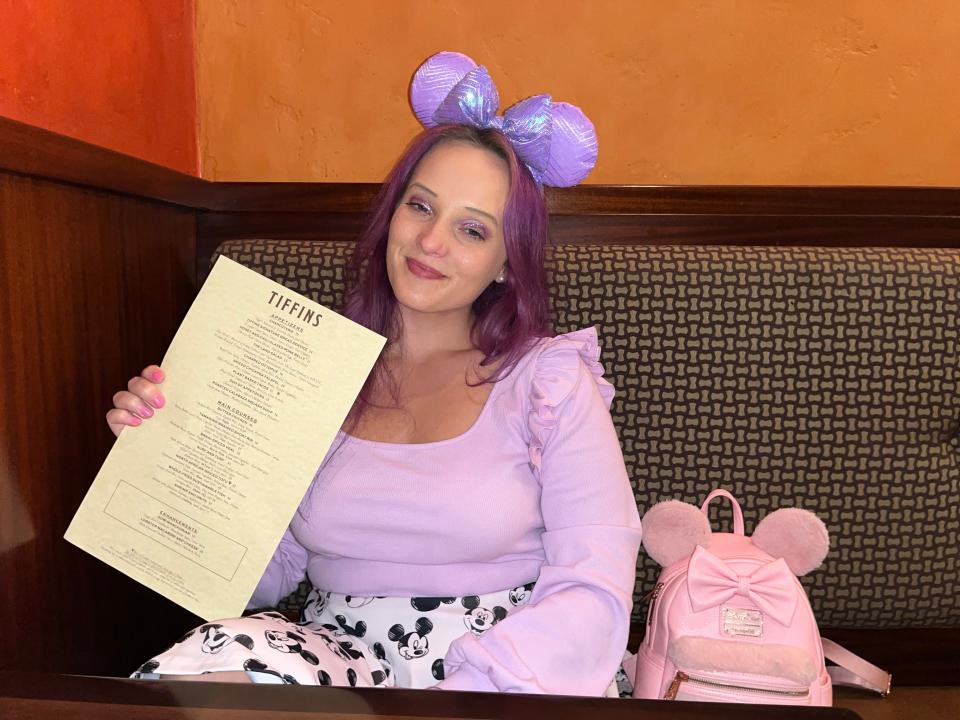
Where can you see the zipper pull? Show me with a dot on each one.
(674, 688)
(653, 595)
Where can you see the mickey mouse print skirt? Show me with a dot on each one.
(340, 640)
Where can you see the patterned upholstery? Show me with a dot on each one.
(827, 378)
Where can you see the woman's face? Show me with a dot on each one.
(445, 244)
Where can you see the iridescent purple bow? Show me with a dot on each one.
(556, 141)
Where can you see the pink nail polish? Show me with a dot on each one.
(157, 376)
(159, 401)
(135, 421)
(145, 411)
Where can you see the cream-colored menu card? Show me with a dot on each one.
(194, 502)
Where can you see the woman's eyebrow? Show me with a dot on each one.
(423, 187)
(493, 219)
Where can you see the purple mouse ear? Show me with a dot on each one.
(672, 530)
(434, 80)
(573, 146)
(556, 141)
(798, 536)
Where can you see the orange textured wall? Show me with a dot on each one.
(117, 73)
(686, 92)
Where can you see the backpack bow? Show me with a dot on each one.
(772, 587)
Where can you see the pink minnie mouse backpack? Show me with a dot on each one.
(728, 619)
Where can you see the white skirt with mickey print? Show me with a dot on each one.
(340, 640)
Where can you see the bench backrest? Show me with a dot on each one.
(827, 378)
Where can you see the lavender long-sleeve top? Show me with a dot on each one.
(535, 489)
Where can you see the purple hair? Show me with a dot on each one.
(509, 316)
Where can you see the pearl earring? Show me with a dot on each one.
(502, 277)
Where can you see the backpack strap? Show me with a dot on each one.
(737, 512)
(853, 671)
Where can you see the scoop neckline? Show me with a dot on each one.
(484, 411)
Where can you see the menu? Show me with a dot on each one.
(193, 502)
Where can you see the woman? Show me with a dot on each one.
(473, 526)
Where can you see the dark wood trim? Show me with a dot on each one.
(665, 200)
(294, 198)
(56, 696)
(915, 656)
(39, 153)
(214, 227)
(29, 150)
(870, 231)
(740, 200)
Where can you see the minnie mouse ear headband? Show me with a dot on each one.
(555, 141)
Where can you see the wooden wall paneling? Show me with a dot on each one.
(815, 216)
(36, 152)
(309, 197)
(33, 151)
(782, 200)
(915, 656)
(629, 229)
(785, 230)
(92, 286)
(293, 197)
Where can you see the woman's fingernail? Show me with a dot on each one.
(135, 421)
(145, 411)
(157, 376)
(159, 401)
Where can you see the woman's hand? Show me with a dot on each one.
(138, 402)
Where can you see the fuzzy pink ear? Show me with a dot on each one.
(798, 536)
(672, 530)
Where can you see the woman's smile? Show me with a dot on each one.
(423, 271)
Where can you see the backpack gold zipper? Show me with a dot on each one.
(652, 596)
(681, 677)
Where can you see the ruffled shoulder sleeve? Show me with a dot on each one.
(565, 365)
